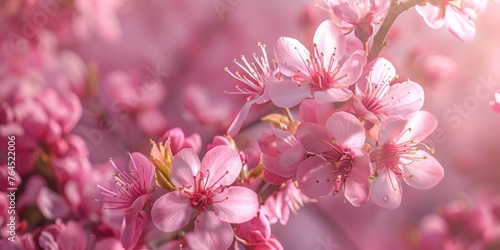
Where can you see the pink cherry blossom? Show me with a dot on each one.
(456, 16)
(359, 15)
(398, 156)
(281, 155)
(179, 141)
(376, 99)
(63, 236)
(205, 192)
(256, 76)
(135, 187)
(337, 159)
(319, 73)
(495, 105)
(288, 199)
(255, 234)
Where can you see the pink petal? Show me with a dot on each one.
(223, 164)
(51, 204)
(255, 230)
(289, 160)
(287, 94)
(421, 123)
(330, 42)
(425, 172)
(431, 15)
(409, 96)
(459, 23)
(240, 118)
(171, 212)
(314, 176)
(346, 129)
(212, 232)
(272, 177)
(151, 121)
(352, 68)
(185, 165)
(312, 137)
(109, 243)
(144, 167)
(391, 129)
(386, 189)
(240, 205)
(72, 237)
(382, 71)
(291, 55)
(332, 95)
(357, 188)
(311, 111)
(131, 230)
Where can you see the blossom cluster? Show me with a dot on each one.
(339, 122)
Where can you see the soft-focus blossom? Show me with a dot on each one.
(359, 16)
(288, 199)
(205, 193)
(255, 77)
(320, 73)
(63, 236)
(337, 159)
(398, 156)
(495, 105)
(376, 98)
(457, 16)
(256, 234)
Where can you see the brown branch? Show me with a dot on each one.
(379, 40)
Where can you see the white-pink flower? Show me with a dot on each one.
(376, 99)
(398, 156)
(319, 73)
(456, 15)
(205, 193)
(338, 160)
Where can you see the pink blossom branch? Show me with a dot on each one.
(379, 40)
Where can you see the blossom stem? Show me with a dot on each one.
(379, 40)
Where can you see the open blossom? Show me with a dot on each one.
(319, 73)
(255, 76)
(398, 156)
(135, 187)
(359, 15)
(456, 15)
(205, 194)
(376, 99)
(338, 160)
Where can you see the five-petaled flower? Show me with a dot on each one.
(205, 193)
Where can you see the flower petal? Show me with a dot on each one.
(425, 172)
(391, 129)
(382, 71)
(459, 23)
(357, 188)
(346, 129)
(420, 125)
(431, 15)
(408, 97)
(287, 94)
(240, 205)
(386, 189)
(51, 204)
(240, 118)
(171, 212)
(212, 232)
(185, 165)
(312, 136)
(352, 68)
(223, 164)
(291, 56)
(313, 177)
(143, 166)
(330, 42)
(332, 95)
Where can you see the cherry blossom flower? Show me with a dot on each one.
(256, 76)
(359, 15)
(205, 193)
(398, 156)
(135, 187)
(376, 99)
(178, 140)
(319, 73)
(495, 105)
(337, 159)
(255, 234)
(457, 16)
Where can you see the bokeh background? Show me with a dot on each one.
(139, 68)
